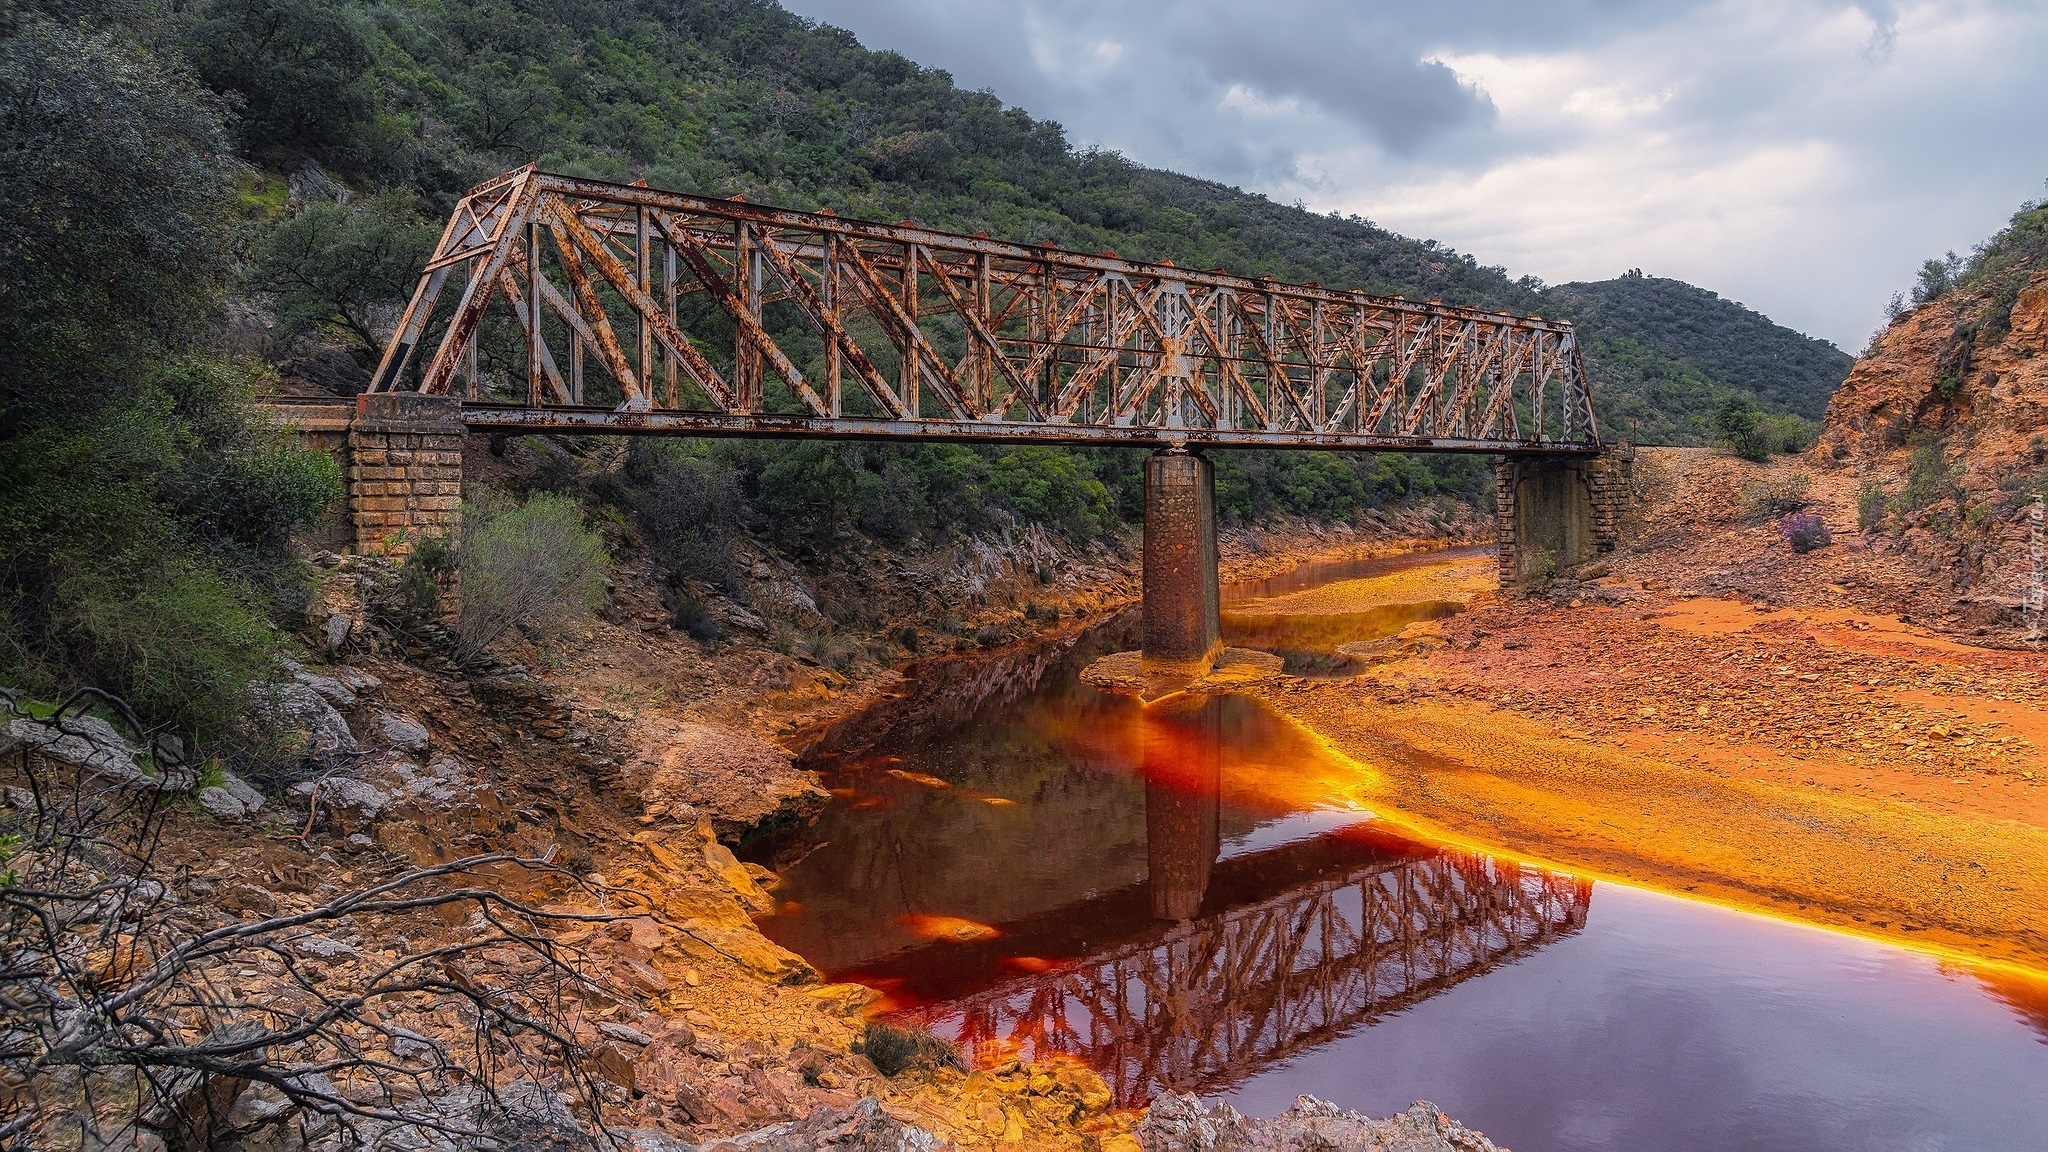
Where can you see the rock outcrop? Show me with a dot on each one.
(1936, 370)
(1948, 413)
(683, 769)
(1180, 1123)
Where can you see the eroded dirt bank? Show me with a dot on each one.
(1717, 716)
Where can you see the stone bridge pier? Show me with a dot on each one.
(1553, 513)
(1183, 628)
(400, 455)
(404, 469)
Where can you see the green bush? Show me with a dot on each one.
(177, 640)
(532, 567)
(1788, 434)
(412, 601)
(1870, 505)
(143, 547)
(1929, 477)
(1739, 429)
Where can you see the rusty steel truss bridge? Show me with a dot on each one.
(598, 307)
(1208, 1002)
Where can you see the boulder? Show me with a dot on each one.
(221, 803)
(625, 1033)
(336, 632)
(330, 689)
(1181, 1123)
(352, 799)
(95, 746)
(403, 731)
(242, 790)
(323, 948)
(865, 1127)
(303, 721)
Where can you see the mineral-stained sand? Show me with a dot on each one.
(1822, 764)
(1457, 580)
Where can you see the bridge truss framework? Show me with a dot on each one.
(619, 308)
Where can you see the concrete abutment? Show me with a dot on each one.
(1553, 513)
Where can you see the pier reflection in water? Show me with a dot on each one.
(1297, 945)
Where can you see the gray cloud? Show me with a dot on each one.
(1800, 155)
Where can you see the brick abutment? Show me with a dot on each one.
(404, 470)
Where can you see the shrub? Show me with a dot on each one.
(413, 600)
(1870, 505)
(693, 617)
(1542, 569)
(533, 567)
(1936, 277)
(1769, 499)
(1789, 434)
(179, 640)
(897, 1050)
(1805, 531)
(1739, 429)
(1928, 477)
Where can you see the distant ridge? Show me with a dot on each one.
(1665, 352)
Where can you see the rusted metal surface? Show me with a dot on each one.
(718, 317)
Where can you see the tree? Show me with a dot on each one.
(336, 267)
(1739, 428)
(116, 172)
(1937, 276)
(138, 500)
(297, 66)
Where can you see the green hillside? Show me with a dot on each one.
(1663, 346)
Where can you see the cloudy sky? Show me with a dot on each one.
(1800, 156)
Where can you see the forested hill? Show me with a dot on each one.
(739, 96)
(1648, 332)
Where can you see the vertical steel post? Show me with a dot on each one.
(828, 299)
(535, 348)
(907, 356)
(669, 360)
(746, 358)
(643, 275)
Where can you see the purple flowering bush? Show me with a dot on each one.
(1805, 531)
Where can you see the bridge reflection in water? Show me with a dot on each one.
(1250, 960)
